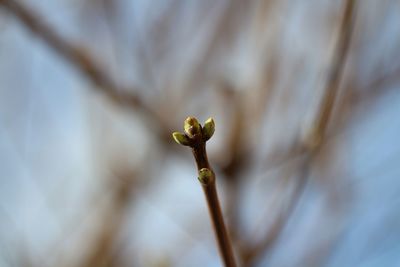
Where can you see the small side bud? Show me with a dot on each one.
(181, 139)
(192, 127)
(205, 176)
(208, 129)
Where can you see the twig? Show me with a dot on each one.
(79, 58)
(112, 221)
(364, 95)
(249, 253)
(196, 136)
(376, 87)
(316, 138)
(336, 72)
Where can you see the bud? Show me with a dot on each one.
(205, 176)
(208, 129)
(192, 127)
(181, 139)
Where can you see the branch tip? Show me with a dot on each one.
(192, 127)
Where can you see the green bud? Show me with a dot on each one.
(181, 139)
(205, 176)
(192, 127)
(208, 129)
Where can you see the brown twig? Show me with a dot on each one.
(112, 221)
(317, 136)
(364, 95)
(336, 72)
(196, 136)
(83, 62)
(251, 253)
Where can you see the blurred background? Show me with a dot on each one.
(306, 100)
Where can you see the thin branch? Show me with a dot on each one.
(336, 72)
(196, 136)
(250, 256)
(376, 88)
(79, 58)
(112, 221)
(317, 136)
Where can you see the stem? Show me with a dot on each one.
(324, 117)
(214, 208)
(79, 58)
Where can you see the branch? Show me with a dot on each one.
(364, 94)
(196, 136)
(79, 58)
(251, 254)
(112, 220)
(316, 137)
(376, 87)
(335, 74)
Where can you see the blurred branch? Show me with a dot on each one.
(316, 138)
(236, 163)
(359, 97)
(335, 74)
(80, 59)
(239, 152)
(100, 253)
(376, 87)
